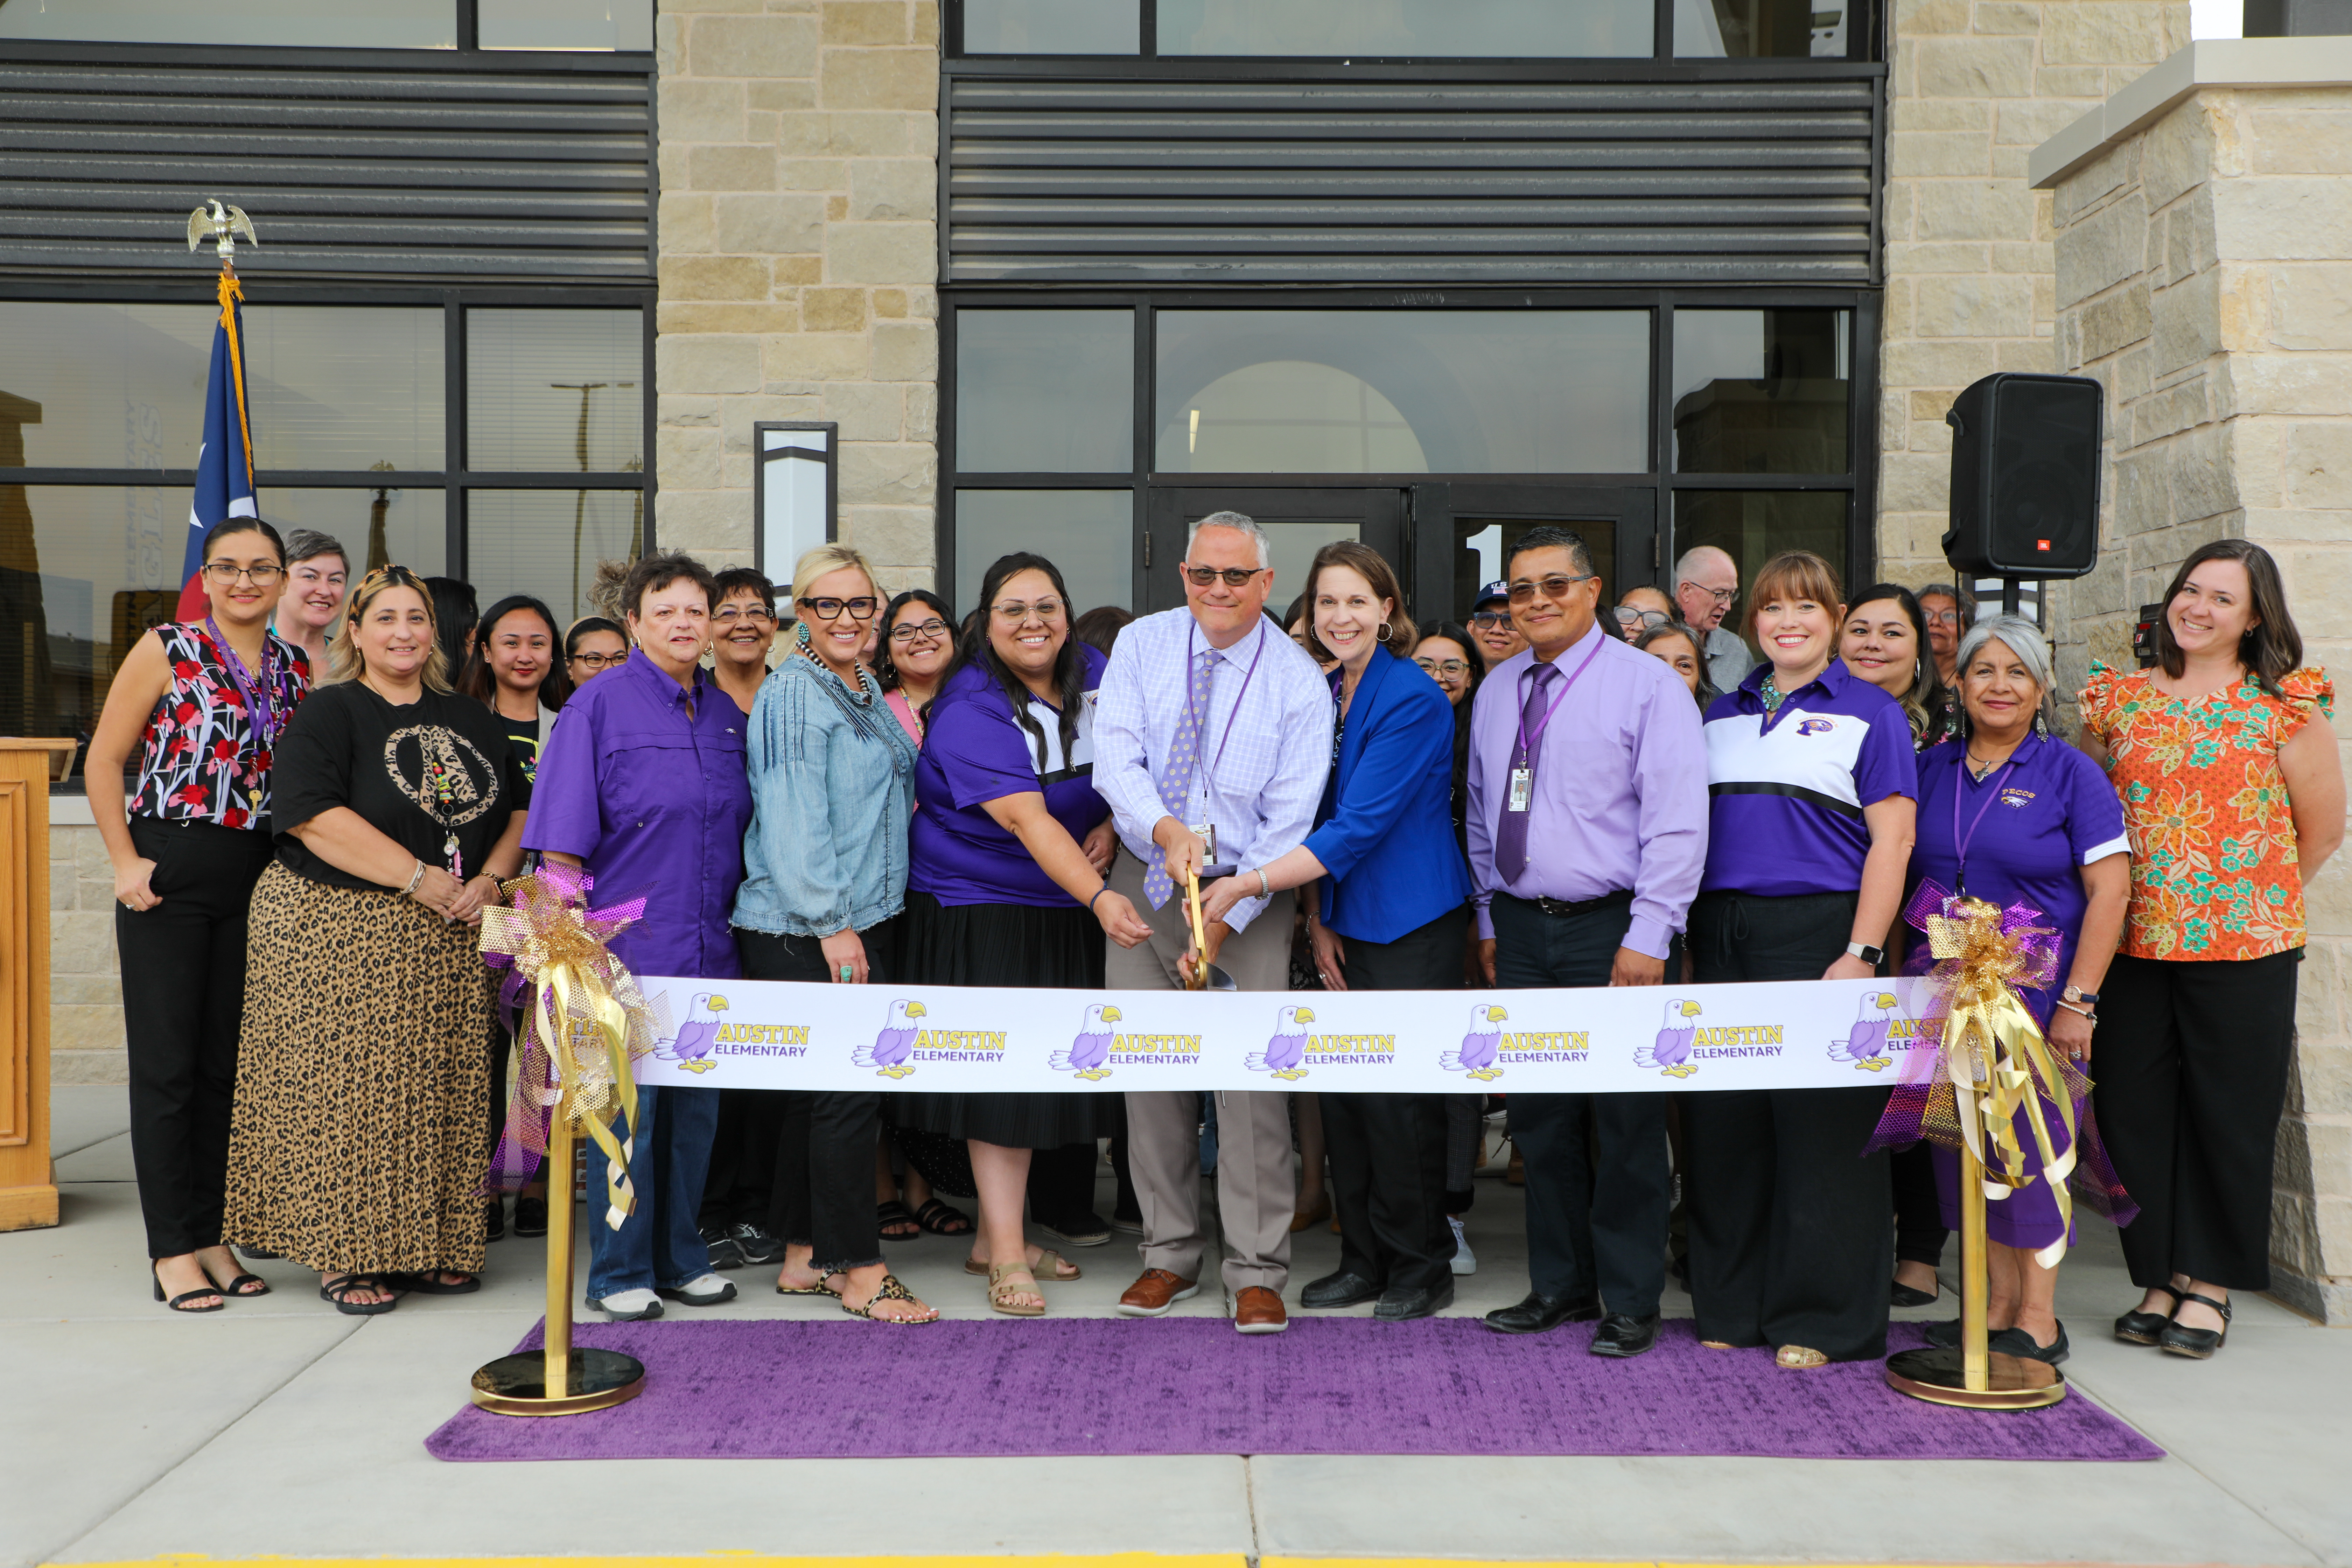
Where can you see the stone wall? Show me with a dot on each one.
(85, 983)
(1975, 86)
(2204, 275)
(798, 189)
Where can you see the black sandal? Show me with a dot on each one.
(220, 1296)
(340, 1295)
(425, 1284)
(2199, 1344)
(893, 1211)
(2146, 1328)
(939, 1219)
(239, 1286)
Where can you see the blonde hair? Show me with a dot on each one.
(827, 558)
(344, 656)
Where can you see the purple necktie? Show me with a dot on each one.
(1511, 832)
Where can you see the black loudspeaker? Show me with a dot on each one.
(2025, 476)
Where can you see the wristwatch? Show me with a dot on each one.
(1872, 956)
(2076, 994)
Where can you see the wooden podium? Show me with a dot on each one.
(28, 1188)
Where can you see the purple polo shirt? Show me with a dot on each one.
(655, 802)
(975, 751)
(1620, 801)
(1789, 788)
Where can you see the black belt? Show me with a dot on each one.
(1564, 907)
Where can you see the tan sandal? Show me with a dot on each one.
(1000, 1292)
(978, 1269)
(890, 1290)
(1798, 1358)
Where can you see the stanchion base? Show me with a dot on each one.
(2018, 1382)
(517, 1384)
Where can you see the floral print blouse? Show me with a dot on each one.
(202, 757)
(2213, 871)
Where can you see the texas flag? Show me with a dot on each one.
(224, 462)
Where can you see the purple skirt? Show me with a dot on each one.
(2027, 1217)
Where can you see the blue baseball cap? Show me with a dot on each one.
(1498, 591)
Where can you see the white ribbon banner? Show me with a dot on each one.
(1819, 1034)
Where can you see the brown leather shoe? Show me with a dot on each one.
(1154, 1292)
(1259, 1311)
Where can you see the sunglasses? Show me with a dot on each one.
(1524, 591)
(1488, 620)
(1234, 576)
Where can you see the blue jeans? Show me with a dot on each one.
(659, 1247)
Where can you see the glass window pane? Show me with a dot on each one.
(1044, 392)
(84, 569)
(1762, 392)
(555, 390)
(547, 542)
(1404, 391)
(1089, 534)
(1052, 26)
(795, 495)
(1753, 526)
(122, 386)
(1443, 28)
(1782, 29)
(375, 528)
(565, 24)
(336, 23)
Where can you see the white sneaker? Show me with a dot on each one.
(708, 1290)
(628, 1306)
(1465, 1260)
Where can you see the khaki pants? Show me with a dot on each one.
(1255, 1193)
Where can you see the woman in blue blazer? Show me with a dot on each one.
(1392, 916)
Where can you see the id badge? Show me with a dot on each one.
(1207, 832)
(1522, 786)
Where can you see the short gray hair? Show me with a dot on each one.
(2018, 634)
(308, 544)
(1239, 524)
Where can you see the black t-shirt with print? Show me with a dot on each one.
(416, 774)
(523, 738)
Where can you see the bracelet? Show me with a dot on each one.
(1265, 890)
(1099, 894)
(2081, 1012)
(414, 877)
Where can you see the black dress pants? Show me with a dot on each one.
(1920, 1233)
(182, 1008)
(741, 1186)
(1388, 1151)
(1792, 1225)
(1600, 1177)
(824, 1195)
(2191, 1073)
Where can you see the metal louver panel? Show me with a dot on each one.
(413, 173)
(1267, 182)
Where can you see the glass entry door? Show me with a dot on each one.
(1299, 521)
(1463, 534)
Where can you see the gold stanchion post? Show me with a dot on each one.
(1973, 1376)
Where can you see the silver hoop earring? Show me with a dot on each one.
(1385, 633)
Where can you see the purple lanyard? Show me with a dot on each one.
(1960, 841)
(1527, 743)
(261, 710)
(1248, 677)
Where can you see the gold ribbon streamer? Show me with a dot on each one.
(1995, 1058)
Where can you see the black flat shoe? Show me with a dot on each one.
(1404, 1305)
(1943, 1333)
(257, 1254)
(1540, 1313)
(219, 1296)
(2021, 1345)
(1083, 1230)
(2146, 1328)
(1902, 1295)
(1340, 1290)
(2198, 1344)
(529, 1216)
(1623, 1335)
(494, 1220)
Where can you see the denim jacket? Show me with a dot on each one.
(832, 793)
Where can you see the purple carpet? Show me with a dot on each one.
(789, 1390)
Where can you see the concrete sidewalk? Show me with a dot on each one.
(278, 1427)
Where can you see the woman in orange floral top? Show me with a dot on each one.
(2234, 794)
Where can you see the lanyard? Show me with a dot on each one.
(1189, 712)
(260, 709)
(1528, 742)
(1960, 841)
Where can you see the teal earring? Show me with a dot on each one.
(801, 633)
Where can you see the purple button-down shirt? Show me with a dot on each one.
(654, 801)
(1619, 795)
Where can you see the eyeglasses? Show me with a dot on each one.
(1234, 576)
(1046, 610)
(758, 615)
(224, 573)
(1628, 616)
(1523, 592)
(1488, 620)
(906, 631)
(830, 609)
(1942, 617)
(1453, 667)
(600, 660)
(1720, 595)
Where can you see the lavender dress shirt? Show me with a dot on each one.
(1620, 798)
(655, 803)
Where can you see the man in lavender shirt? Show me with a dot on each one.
(1587, 814)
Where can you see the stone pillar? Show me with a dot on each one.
(2203, 252)
(1974, 87)
(799, 175)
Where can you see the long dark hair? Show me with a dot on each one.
(2271, 646)
(886, 669)
(1924, 703)
(479, 681)
(1069, 665)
